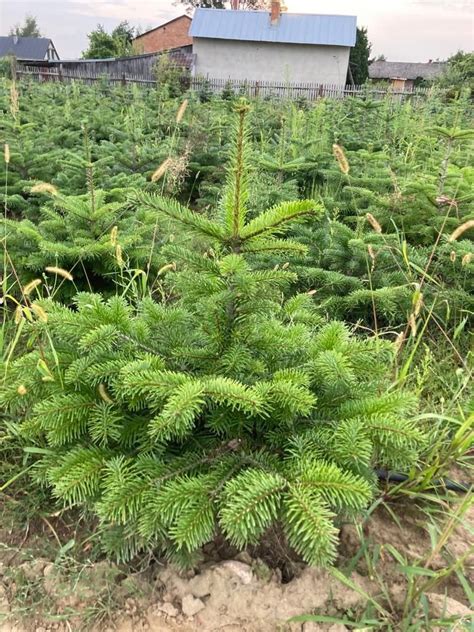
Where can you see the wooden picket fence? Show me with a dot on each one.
(131, 73)
(294, 91)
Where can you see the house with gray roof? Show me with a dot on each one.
(405, 75)
(28, 48)
(272, 46)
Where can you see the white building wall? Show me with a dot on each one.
(265, 61)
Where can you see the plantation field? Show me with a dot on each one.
(236, 338)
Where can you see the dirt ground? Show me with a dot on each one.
(235, 595)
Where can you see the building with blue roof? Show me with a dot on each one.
(272, 45)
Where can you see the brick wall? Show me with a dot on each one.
(169, 35)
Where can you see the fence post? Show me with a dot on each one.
(124, 80)
(14, 68)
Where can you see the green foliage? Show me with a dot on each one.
(227, 403)
(171, 77)
(95, 237)
(116, 44)
(29, 28)
(359, 58)
(244, 5)
(409, 168)
(205, 4)
(459, 74)
(6, 66)
(205, 382)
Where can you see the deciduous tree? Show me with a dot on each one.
(459, 72)
(29, 28)
(116, 44)
(253, 5)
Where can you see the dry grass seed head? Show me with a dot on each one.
(181, 111)
(418, 304)
(341, 158)
(6, 153)
(461, 230)
(18, 314)
(44, 187)
(119, 255)
(399, 340)
(29, 287)
(412, 324)
(161, 170)
(373, 222)
(372, 255)
(166, 268)
(104, 395)
(39, 312)
(114, 236)
(60, 272)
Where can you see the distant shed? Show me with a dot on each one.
(405, 75)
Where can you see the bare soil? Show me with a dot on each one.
(243, 594)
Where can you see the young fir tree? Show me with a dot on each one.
(372, 275)
(95, 237)
(364, 275)
(225, 409)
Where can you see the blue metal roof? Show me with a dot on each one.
(292, 28)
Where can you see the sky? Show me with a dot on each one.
(402, 30)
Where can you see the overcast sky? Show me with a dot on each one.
(403, 30)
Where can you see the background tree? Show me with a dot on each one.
(205, 4)
(359, 58)
(116, 44)
(254, 5)
(459, 72)
(29, 28)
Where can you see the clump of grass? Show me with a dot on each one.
(410, 609)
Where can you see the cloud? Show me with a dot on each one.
(446, 5)
(126, 9)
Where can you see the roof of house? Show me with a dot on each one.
(24, 47)
(292, 28)
(160, 26)
(405, 70)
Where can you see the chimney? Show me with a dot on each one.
(275, 12)
(234, 5)
(15, 39)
